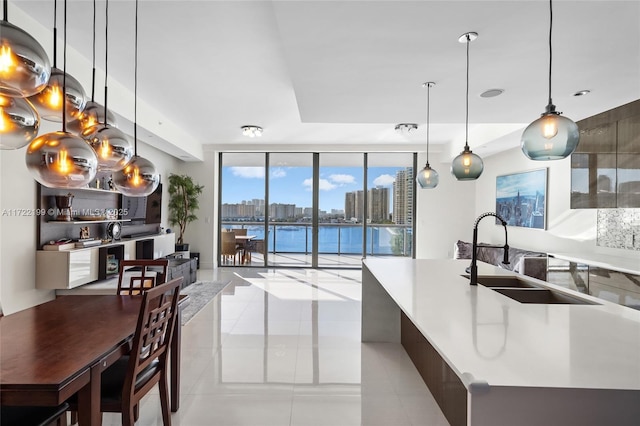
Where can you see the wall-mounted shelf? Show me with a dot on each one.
(80, 222)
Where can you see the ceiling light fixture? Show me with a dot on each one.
(467, 165)
(428, 178)
(491, 93)
(552, 136)
(406, 128)
(49, 101)
(62, 159)
(19, 122)
(93, 112)
(582, 92)
(252, 131)
(139, 176)
(110, 144)
(24, 65)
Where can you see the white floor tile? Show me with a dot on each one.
(283, 348)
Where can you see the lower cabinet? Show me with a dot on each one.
(67, 269)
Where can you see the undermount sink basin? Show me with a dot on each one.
(506, 281)
(541, 296)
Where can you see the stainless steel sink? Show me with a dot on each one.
(541, 296)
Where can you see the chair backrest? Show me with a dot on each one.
(228, 243)
(139, 275)
(154, 331)
(240, 231)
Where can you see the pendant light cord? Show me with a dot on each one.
(55, 33)
(106, 56)
(550, 48)
(135, 88)
(428, 91)
(93, 57)
(64, 71)
(466, 121)
(5, 10)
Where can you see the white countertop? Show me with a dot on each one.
(615, 263)
(507, 343)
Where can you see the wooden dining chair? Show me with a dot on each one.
(130, 378)
(141, 274)
(228, 247)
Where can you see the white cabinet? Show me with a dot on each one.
(72, 268)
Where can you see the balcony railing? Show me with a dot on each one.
(333, 238)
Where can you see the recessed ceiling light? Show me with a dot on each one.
(582, 92)
(252, 131)
(406, 128)
(491, 93)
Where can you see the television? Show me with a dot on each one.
(143, 210)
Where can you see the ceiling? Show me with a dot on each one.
(342, 74)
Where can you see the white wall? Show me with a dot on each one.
(445, 213)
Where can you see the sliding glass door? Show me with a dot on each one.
(318, 210)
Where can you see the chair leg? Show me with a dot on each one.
(74, 417)
(164, 399)
(136, 412)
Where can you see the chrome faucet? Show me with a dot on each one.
(474, 254)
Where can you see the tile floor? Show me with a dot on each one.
(282, 347)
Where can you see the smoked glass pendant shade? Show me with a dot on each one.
(428, 178)
(19, 122)
(61, 160)
(24, 64)
(92, 115)
(138, 178)
(551, 137)
(49, 101)
(467, 165)
(111, 146)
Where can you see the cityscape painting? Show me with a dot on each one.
(521, 198)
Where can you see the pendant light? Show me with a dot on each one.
(428, 178)
(552, 136)
(49, 101)
(139, 177)
(61, 159)
(93, 112)
(24, 65)
(467, 165)
(19, 122)
(110, 144)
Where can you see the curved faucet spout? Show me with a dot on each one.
(474, 253)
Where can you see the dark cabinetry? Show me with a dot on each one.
(605, 169)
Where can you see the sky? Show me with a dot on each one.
(293, 185)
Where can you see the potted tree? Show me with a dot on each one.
(183, 203)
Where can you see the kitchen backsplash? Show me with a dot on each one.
(619, 228)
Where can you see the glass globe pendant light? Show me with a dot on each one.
(552, 136)
(467, 165)
(49, 101)
(428, 178)
(93, 112)
(139, 177)
(61, 159)
(24, 64)
(19, 122)
(111, 145)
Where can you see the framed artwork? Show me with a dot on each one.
(521, 198)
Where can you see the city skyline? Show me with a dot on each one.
(292, 185)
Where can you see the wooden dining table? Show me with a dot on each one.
(54, 350)
(241, 240)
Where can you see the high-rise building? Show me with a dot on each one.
(403, 197)
(278, 211)
(378, 201)
(349, 205)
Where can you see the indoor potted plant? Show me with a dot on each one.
(183, 202)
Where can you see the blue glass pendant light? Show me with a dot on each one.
(428, 178)
(467, 165)
(552, 136)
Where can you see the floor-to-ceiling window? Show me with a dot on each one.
(322, 210)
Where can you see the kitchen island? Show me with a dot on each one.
(495, 361)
